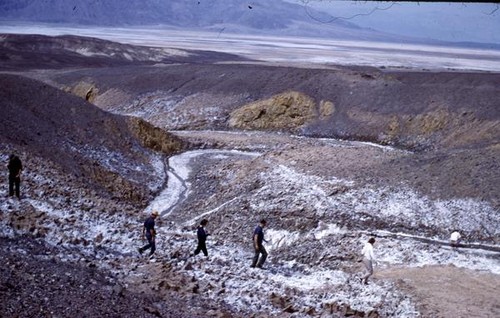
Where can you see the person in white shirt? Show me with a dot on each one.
(368, 259)
(455, 239)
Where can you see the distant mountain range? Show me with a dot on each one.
(259, 14)
(237, 16)
(266, 17)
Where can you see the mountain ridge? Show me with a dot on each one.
(257, 17)
(237, 16)
(259, 14)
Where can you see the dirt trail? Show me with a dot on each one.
(448, 291)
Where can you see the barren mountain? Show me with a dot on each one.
(233, 16)
(328, 155)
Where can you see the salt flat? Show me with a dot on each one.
(290, 50)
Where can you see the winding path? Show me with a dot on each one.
(178, 172)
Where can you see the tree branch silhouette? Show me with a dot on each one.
(494, 10)
(307, 9)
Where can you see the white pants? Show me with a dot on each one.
(369, 268)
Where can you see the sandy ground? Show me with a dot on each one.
(448, 291)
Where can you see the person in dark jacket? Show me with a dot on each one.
(258, 238)
(15, 167)
(202, 238)
(149, 232)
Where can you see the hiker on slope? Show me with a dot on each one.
(15, 166)
(455, 238)
(258, 238)
(149, 232)
(202, 238)
(368, 259)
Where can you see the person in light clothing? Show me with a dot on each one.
(368, 259)
(455, 239)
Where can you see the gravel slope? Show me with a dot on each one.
(90, 177)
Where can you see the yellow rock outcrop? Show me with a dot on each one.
(289, 110)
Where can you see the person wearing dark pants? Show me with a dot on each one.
(15, 166)
(148, 232)
(202, 238)
(260, 251)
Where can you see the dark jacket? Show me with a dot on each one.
(149, 226)
(260, 234)
(202, 234)
(14, 166)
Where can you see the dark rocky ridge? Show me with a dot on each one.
(77, 135)
(413, 110)
(69, 51)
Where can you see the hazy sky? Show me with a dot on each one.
(457, 22)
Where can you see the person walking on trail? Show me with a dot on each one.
(15, 167)
(202, 238)
(455, 239)
(258, 239)
(149, 232)
(368, 259)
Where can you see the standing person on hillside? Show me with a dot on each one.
(258, 238)
(15, 167)
(368, 259)
(202, 238)
(149, 232)
(455, 240)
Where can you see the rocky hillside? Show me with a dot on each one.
(84, 171)
(249, 141)
(112, 153)
(413, 110)
(35, 282)
(449, 118)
